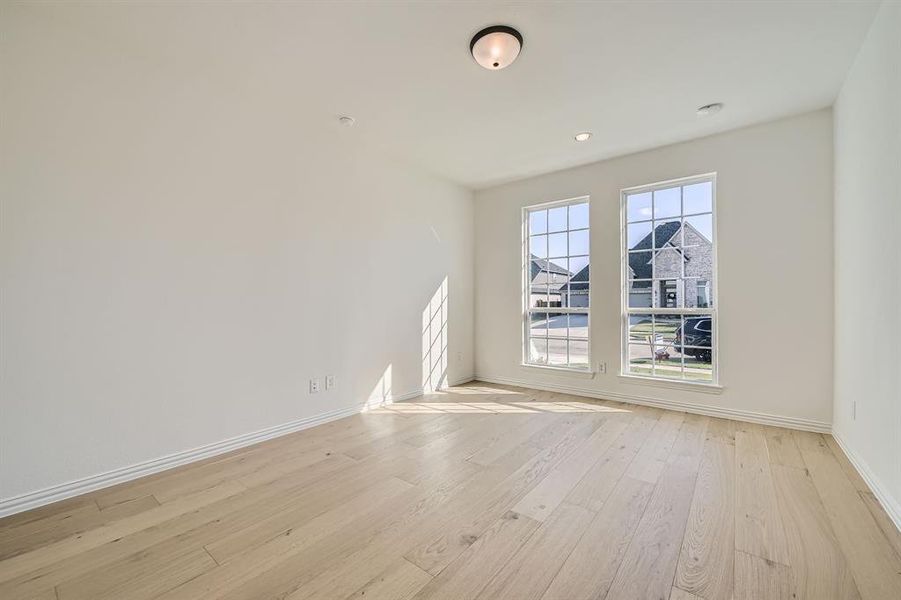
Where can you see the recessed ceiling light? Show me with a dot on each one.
(496, 47)
(583, 137)
(347, 120)
(710, 109)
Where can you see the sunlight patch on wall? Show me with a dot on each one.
(381, 393)
(434, 340)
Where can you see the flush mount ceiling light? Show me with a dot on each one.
(710, 109)
(496, 47)
(583, 137)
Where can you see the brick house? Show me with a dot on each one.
(680, 273)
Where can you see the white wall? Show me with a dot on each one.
(868, 259)
(775, 267)
(181, 253)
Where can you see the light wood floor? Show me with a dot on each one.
(480, 492)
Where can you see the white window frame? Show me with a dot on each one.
(624, 285)
(526, 286)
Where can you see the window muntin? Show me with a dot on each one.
(669, 280)
(556, 297)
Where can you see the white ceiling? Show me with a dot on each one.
(631, 72)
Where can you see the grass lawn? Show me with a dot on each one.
(640, 331)
(694, 369)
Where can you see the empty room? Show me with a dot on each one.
(450, 300)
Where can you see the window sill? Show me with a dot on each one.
(692, 386)
(561, 370)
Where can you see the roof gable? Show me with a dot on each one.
(640, 262)
(579, 281)
(542, 264)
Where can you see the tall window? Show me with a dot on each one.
(669, 280)
(556, 286)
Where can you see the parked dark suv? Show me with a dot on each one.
(696, 331)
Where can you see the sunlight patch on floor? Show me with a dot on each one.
(497, 407)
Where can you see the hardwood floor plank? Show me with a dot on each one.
(352, 500)
(218, 517)
(809, 441)
(340, 564)
(49, 594)
(818, 566)
(705, 566)
(544, 498)
(594, 488)
(872, 560)
(73, 545)
(882, 520)
(452, 426)
(426, 426)
(689, 445)
(233, 465)
(530, 571)
(34, 534)
(590, 568)
(301, 551)
(758, 525)
(628, 502)
(721, 431)
(782, 449)
(478, 513)
(491, 453)
(401, 581)
(49, 512)
(651, 459)
(466, 576)
(757, 578)
(679, 594)
(649, 564)
(141, 582)
(843, 461)
(469, 509)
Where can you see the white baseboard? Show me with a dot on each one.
(402, 397)
(689, 407)
(461, 380)
(16, 504)
(891, 505)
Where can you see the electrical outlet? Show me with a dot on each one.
(329, 382)
(315, 386)
(602, 367)
(459, 357)
(853, 410)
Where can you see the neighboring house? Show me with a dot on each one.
(577, 295)
(659, 286)
(545, 282)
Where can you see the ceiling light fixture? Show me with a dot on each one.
(583, 137)
(710, 109)
(347, 120)
(496, 47)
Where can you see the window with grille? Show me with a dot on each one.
(556, 290)
(669, 280)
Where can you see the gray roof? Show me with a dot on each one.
(542, 264)
(640, 262)
(579, 281)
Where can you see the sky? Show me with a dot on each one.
(644, 211)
